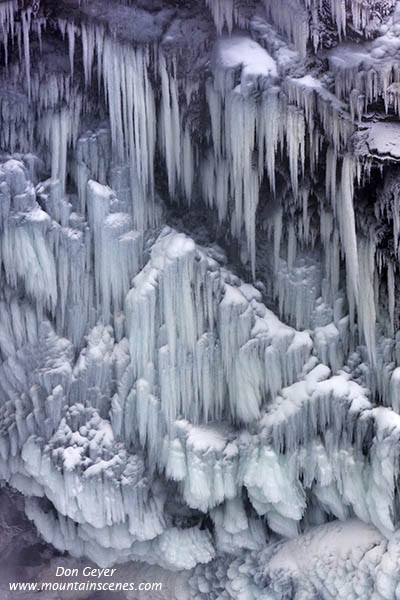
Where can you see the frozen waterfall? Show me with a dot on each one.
(200, 294)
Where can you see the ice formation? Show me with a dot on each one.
(200, 232)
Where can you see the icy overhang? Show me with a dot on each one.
(240, 51)
(380, 141)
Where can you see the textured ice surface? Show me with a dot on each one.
(199, 305)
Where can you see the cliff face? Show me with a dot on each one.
(199, 217)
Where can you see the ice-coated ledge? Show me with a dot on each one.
(379, 141)
(241, 51)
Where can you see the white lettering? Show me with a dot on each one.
(60, 571)
(91, 572)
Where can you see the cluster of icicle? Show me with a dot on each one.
(185, 381)
(271, 112)
(139, 368)
(301, 20)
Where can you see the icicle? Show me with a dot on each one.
(223, 14)
(366, 308)
(39, 24)
(71, 46)
(26, 25)
(292, 19)
(60, 138)
(133, 120)
(7, 10)
(338, 12)
(348, 231)
(292, 247)
(295, 135)
(277, 236)
(170, 122)
(243, 123)
(88, 46)
(391, 295)
(306, 217)
(330, 175)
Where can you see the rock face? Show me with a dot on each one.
(200, 303)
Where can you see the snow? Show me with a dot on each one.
(238, 50)
(148, 386)
(72, 458)
(383, 140)
(205, 438)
